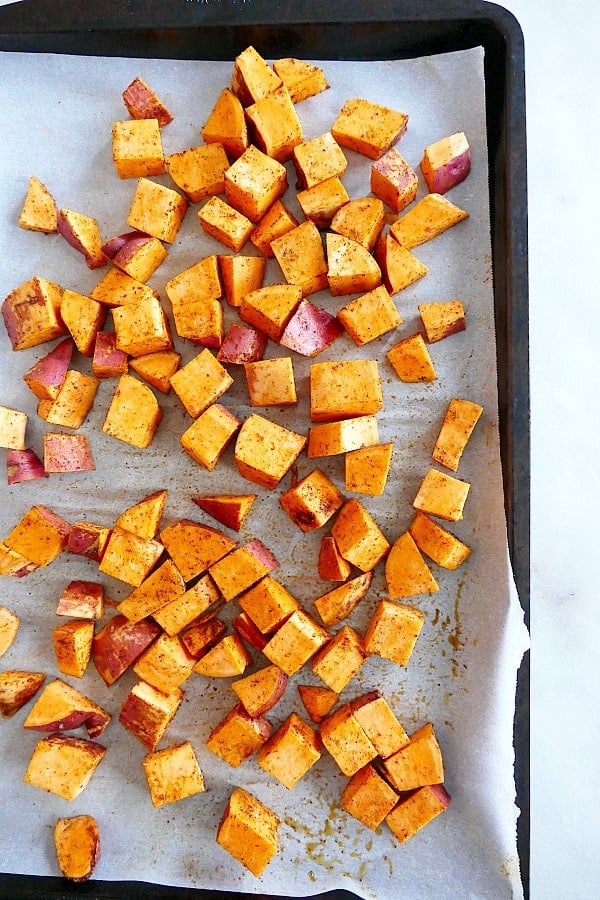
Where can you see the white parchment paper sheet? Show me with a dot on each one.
(57, 115)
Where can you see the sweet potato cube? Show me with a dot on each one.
(437, 543)
(116, 646)
(199, 171)
(74, 400)
(368, 797)
(301, 257)
(270, 308)
(350, 267)
(238, 736)
(194, 547)
(337, 604)
(260, 691)
(83, 233)
(202, 635)
(380, 724)
(129, 557)
(252, 78)
(268, 604)
(46, 376)
(201, 281)
(31, 313)
(9, 626)
(147, 712)
(180, 612)
(133, 414)
(271, 382)
(310, 330)
(39, 536)
(411, 361)
(200, 382)
(295, 642)
(416, 810)
(370, 316)
(344, 389)
(301, 78)
(321, 202)
(266, 451)
(446, 162)
(359, 538)
(157, 368)
(162, 586)
(142, 103)
(72, 643)
(418, 763)
(141, 327)
(242, 568)
(173, 774)
(63, 765)
(368, 128)
(229, 509)
(440, 320)
(338, 661)
(67, 453)
(459, 421)
(209, 435)
(242, 344)
(394, 181)
(442, 495)
(393, 631)
(136, 254)
(143, 518)
(312, 501)
(339, 437)
(331, 565)
(81, 600)
(241, 275)
(227, 124)
(84, 318)
(318, 701)
(275, 124)
(367, 469)
(254, 182)
(225, 223)
(166, 664)
(39, 211)
(16, 689)
(399, 266)
(346, 741)
(157, 210)
(61, 707)
(13, 425)
(88, 539)
(318, 159)
(406, 572)
(362, 220)
(247, 630)
(248, 831)
(277, 221)
(227, 659)
(117, 288)
(14, 564)
(290, 752)
(137, 148)
(430, 216)
(23, 465)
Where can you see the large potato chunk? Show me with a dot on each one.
(368, 128)
(265, 451)
(63, 765)
(173, 774)
(31, 313)
(77, 843)
(344, 389)
(39, 536)
(248, 831)
(134, 414)
(291, 751)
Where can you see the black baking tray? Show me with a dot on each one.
(345, 29)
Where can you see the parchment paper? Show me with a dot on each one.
(57, 115)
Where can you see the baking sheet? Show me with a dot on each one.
(58, 113)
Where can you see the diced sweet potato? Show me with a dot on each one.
(202, 635)
(13, 425)
(406, 572)
(61, 707)
(137, 254)
(440, 320)
(83, 233)
(266, 451)
(241, 275)
(143, 518)
(77, 844)
(260, 691)
(379, 723)
(88, 539)
(84, 318)
(147, 712)
(295, 642)
(238, 736)
(166, 664)
(393, 631)
(291, 751)
(399, 266)
(302, 79)
(133, 414)
(162, 586)
(129, 557)
(142, 102)
(318, 701)
(275, 124)
(344, 389)
(270, 308)
(394, 181)
(63, 765)
(248, 831)
(254, 182)
(39, 211)
(277, 221)
(227, 124)
(358, 537)
(23, 465)
(332, 566)
(117, 288)
(39, 536)
(459, 421)
(411, 360)
(321, 202)
(442, 495)
(242, 568)
(367, 469)
(157, 210)
(173, 774)
(350, 267)
(199, 171)
(227, 659)
(339, 437)
(271, 382)
(242, 344)
(319, 159)
(446, 163)
(368, 128)
(157, 368)
(310, 330)
(368, 797)
(81, 600)
(17, 688)
(437, 543)
(137, 148)
(346, 741)
(301, 257)
(312, 501)
(73, 646)
(31, 313)
(370, 316)
(14, 564)
(432, 215)
(229, 509)
(116, 646)
(268, 604)
(251, 77)
(362, 220)
(74, 400)
(336, 605)
(174, 616)
(142, 327)
(194, 547)
(9, 626)
(225, 223)
(210, 434)
(418, 763)
(107, 360)
(46, 376)
(416, 810)
(201, 382)
(338, 661)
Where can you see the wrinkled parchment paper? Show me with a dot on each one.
(57, 115)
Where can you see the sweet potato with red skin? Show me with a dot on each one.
(23, 465)
(82, 233)
(238, 736)
(77, 843)
(117, 646)
(67, 453)
(202, 635)
(260, 691)
(310, 330)
(228, 509)
(31, 313)
(14, 564)
(82, 600)
(107, 360)
(61, 707)
(446, 163)
(88, 539)
(147, 712)
(142, 103)
(247, 630)
(45, 378)
(136, 253)
(16, 689)
(39, 535)
(63, 764)
(416, 810)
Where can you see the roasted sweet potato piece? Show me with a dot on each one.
(77, 843)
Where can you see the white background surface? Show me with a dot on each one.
(563, 86)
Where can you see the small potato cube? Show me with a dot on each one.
(440, 320)
(416, 810)
(252, 78)
(228, 509)
(166, 664)
(321, 202)
(275, 124)
(83, 233)
(9, 626)
(268, 603)
(242, 568)
(202, 635)
(340, 437)
(276, 222)
(254, 182)
(133, 414)
(438, 544)
(46, 376)
(147, 712)
(63, 765)
(290, 752)
(242, 344)
(194, 547)
(88, 539)
(137, 148)
(157, 368)
(459, 421)
(302, 79)
(14, 564)
(84, 318)
(394, 181)
(143, 518)
(318, 701)
(442, 495)
(142, 103)
(301, 257)
(295, 642)
(344, 389)
(338, 661)
(157, 210)
(260, 691)
(332, 566)
(368, 128)
(367, 469)
(225, 223)
(229, 658)
(418, 763)
(173, 774)
(346, 741)
(227, 124)
(129, 557)
(160, 587)
(199, 171)
(406, 572)
(31, 313)
(266, 451)
(39, 536)
(180, 612)
(23, 465)
(270, 308)
(74, 400)
(393, 631)
(370, 316)
(380, 724)
(73, 646)
(446, 163)
(310, 330)
(67, 453)
(39, 211)
(238, 736)
(241, 275)
(209, 435)
(81, 600)
(194, 295)
(13, 425)
(399, 266)
(271, 382)
(116, 646)
(142, 327)
(16, 689)
(312, 501)
(136, 254)
(432, 215)
(248, 831)
(337, 604)
(117, 288)
(350, 267)
(318, 159)
(362, 220)
(368, 797)
(411, 361)
(201, 382)
(359, 538)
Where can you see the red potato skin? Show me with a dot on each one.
(23, 465)
(263, 554)
(64, 455)
(242, 344)
(275, 697)
(142, 103)
(248, 631)
(93, 260)
(117, 646)
(310, 330)
(50, 371)
(108, 361)
(17, 689)
(112, 247)
(94, 723)
(448, 176)
(83, 542)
